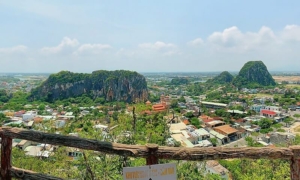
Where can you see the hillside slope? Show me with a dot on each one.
(223, 78)
(118, 85)
(254, 74)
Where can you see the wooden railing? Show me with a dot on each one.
(151, 152)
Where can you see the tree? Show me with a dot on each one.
(41, 107)
(3, 118)
(174, 103)
(288, 120)
(265, 123)
(214, 141)
(189, 115)
(100, 100)
(181, 99)
(195, 121)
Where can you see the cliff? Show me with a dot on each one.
(223, 78)
(254, 74)
(118, 85)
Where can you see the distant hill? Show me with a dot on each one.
(223, 78)
(118, 85)
(254, 74)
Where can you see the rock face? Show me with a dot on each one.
(118, 85)
(223, 78)
(254, 74)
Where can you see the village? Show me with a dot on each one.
(252, 117)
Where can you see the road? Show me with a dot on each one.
(238, 143)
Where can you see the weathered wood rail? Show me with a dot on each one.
(151, 152)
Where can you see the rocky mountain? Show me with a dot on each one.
(118, 85)
(223, 78)
(254, 74)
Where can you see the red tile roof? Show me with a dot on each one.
(264, 111)
(186, 122)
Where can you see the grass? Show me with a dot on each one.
(292, 85)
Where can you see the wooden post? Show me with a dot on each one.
(152, 157)
(295, 163)
(6, 146)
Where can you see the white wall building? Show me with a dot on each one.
(29, 115)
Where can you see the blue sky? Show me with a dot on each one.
(148, 36)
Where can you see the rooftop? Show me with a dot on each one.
(215, 104)
(177, 126)
(217, 135)
(226, 129)
(201, 132)
(264, 111)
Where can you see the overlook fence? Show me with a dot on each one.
(151, 152)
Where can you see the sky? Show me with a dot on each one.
(39, 36)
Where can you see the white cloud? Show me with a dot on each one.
(92, 48)
(66, 44)
(15, 49)
(228, 49)
(291, 33)
(157, 45)
(233, 40)
(196, 42)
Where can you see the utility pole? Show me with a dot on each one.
(134, 119)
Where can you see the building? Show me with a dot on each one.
(228, 131)
(268, 113)
(272, 108)
(213, 105)
(256, 108)
(202, 134)
(177, 127)
(29, 115)
(214, 167)
(214, 123)
(162, 106)
(220, 137)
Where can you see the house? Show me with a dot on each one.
(177, 127)
(214, 167)
(33, 150)
(74, 153)
(19, 113)
(298, 105)
(220, 137)
(268, 113)
(29, 115)
(159, 107)
(273, 108)
(204, 143)
(256, 108)
(29, 124)
(23, 144)
(101, 127)
(202, 134)
(214, 123)
(236, 111)
(206, 119)
(228, 131)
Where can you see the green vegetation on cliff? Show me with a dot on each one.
(117, 85)
(223, 78)
(254, 74)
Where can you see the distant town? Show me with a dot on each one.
(183, 110)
